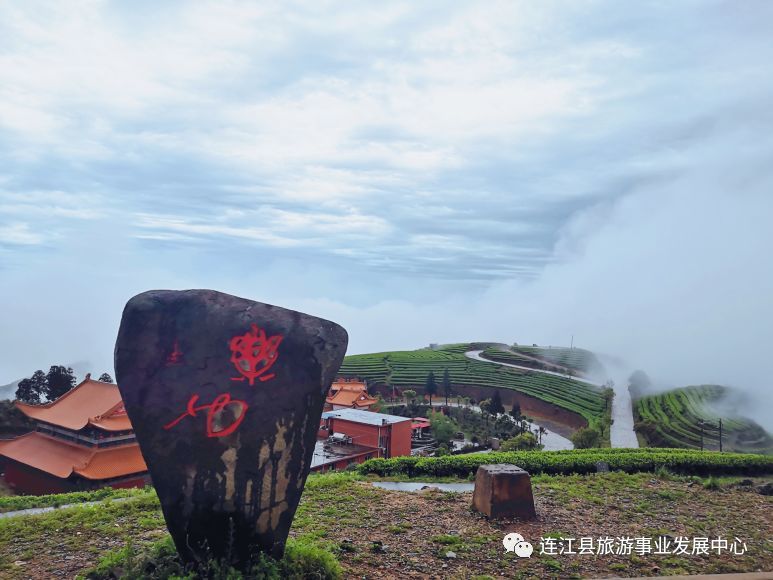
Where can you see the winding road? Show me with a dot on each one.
(551, 440)
(621, 433)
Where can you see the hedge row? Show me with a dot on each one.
(23, 502)
(578, 461)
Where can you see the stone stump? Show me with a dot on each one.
(225, 396)
(503, 491)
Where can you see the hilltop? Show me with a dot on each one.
(566, 402)
(689, 417)
(554, 385)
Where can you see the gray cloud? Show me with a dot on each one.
(511, 171)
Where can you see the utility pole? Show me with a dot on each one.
(571, 344)
(720, 435)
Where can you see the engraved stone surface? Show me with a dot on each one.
(225, 395)
(503, 491)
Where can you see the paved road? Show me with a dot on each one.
(621, 433)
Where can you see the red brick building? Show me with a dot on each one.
(390, 434)
(83, 440)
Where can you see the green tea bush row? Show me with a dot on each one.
(21, 502)
(579, 462)
(674, 418)
(574, 358)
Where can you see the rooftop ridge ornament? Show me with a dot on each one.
(228, 459)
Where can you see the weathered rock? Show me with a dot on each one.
(503, 491)
(225, 396)
(766, 489)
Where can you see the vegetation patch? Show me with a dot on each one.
(376, 533)
(554, 358)
(579, 461)
(302, 560)
(577, 359)
(683, 417)
(23, 502)
(410, 369)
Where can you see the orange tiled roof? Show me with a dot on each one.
(114, 462)
(351, 398)
(348, 384)
(62, 459)
(90, 403)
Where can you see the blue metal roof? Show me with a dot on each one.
(366, 417)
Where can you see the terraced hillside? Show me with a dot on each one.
(409, 369)
(673, 418)
(575, 359)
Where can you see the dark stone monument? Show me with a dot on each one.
(602, 467)
(225, 396)
(503, 491)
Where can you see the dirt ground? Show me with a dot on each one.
(418, 530)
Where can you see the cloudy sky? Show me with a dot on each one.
(418, 172)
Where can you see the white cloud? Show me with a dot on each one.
(589, 153)
(21, 234)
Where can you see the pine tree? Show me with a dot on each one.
(496, 404)
(446, 384)
(60, 381)
(105, 378)
(430, 387)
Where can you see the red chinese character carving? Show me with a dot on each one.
(253, 354)
(175, 357)
(215, 407)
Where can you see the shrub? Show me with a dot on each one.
(443, 428)
(302, 560)
(522, 442)
(580, 461)
(586, 438)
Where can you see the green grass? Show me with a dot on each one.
(673, 418)
(579, 461)
(130, 535)
(22, 502)
(302, 560)
(409, 369)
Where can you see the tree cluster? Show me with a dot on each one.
(41, 387)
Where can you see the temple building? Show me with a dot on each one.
(348, 394)
(83, 440)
